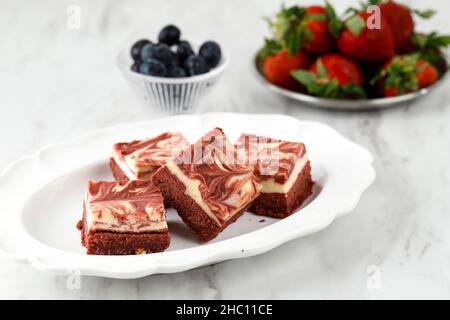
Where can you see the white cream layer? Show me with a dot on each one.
(108, 222)
(271, 186)
(192, 189)
(124, 167)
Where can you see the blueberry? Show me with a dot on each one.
(137, 47)
(148, 52)
(169, 35)
(163, 53)
(135, 66)
(183, 50)
(153, 67)
(176, 72)
(210, 51)
(195, 65)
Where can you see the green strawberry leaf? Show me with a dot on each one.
(321, 70)
(288, 29)
(400, 74)
(430, 41)
(379, 76)
(430, 48)
(293, 42)
(353, 91)
(425, 14)
(350, 12)
(269, 22)
(316, 88)
(356, 25)
(270, 47)
(304, 77)
(335, 25)
(420, 40)
(331, 89)
(317, 17)
(308, 35)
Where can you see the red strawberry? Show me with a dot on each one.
(400, 20)
(277, 67)
(430, 47)
(306, 28)
(340, 68)
(427, 74)
(393, 91)
(404, 74)
(358, 42)
(321, 40)
(332, 76)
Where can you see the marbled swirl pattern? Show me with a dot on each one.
(226, 186)
(273, 158)
(127, 206)
(143, 157)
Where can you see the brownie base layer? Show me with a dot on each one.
(112, 243)
(190, 212)
(102, 242)
(116, 171)
(281, 205)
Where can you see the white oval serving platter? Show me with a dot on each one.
(42, 195)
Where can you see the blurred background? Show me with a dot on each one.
(59, 80)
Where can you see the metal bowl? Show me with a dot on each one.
(343, 104)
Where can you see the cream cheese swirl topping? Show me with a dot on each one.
(127, 206)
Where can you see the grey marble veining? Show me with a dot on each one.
(58, 83)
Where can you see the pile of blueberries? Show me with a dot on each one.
(173, 58)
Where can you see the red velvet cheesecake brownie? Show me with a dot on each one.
(206, 186)
(139, 159)
(284, 170)
(124, 217)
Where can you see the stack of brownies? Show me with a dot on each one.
(209, 183)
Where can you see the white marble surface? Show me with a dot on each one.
(59, 83)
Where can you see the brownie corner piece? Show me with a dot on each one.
(123, 218)
(117, 173)
(139, 159)
(281, 205)
(284, 169)
(208, 189)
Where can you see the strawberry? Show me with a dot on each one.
(400, 20)
(358, 42)
(277, 67)
(404, 74)
(320, 40)
(427, 74)
(332, 76)
(306, 28)
(430, 48)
